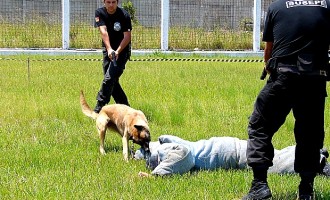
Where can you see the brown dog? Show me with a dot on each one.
(131, 124)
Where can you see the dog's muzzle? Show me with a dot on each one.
(145, 146)
(146, 149)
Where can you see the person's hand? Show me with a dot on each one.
(143, 174)
(117, 54)
(109, 53)
(267, 70)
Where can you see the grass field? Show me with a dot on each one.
(49, 149)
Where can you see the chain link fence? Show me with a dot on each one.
(194, 24)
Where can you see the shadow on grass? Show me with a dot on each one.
(108, 147)
(290, 195)
(113, 148)
(293, 195)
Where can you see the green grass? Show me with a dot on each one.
(49, 149)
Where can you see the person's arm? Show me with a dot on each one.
(106, 39)
(126, 40)
(174, 159)
(268, 53)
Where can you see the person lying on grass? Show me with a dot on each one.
(173, 155)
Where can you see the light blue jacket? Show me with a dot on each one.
(173, 155)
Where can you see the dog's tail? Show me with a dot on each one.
(85, 107)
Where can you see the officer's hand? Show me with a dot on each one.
(109, 53)
(117, 54)
(267, 70)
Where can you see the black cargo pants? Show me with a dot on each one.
(110, 85)
(283, 92)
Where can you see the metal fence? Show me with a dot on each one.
(202, 24)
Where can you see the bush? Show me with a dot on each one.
(128, 5)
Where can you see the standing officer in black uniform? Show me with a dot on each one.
(297, 42)
(115, 28)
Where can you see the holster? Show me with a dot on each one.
(271, 64)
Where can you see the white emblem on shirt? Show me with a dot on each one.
(117, 26)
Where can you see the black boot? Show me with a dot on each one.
(305, 197)
(324, 165)
(259, 191)
(306, 186)
(326, 170)
(325, 152)
(259, 187)
(98, 106)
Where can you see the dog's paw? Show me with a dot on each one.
(126, 159)
(102, 151)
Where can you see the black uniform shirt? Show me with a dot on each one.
(116, 24)
(298, 26)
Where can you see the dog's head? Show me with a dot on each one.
(141, 135)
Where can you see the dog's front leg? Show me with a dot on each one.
(102, 138)
(101, 125)
(125, 145)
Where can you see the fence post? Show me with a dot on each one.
(65, 24)
(256, 25)
(28, 66)
(165, 15)
(24, 11)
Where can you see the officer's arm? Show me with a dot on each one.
(105, 38)
(126, 40)
(268, 52)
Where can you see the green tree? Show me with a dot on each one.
(128, 5)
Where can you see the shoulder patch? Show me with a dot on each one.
(97, 19)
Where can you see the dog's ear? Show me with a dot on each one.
(139, 127)
(140, 124)
(143, 132)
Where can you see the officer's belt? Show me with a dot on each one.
(293, 69)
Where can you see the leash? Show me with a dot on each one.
(132, 149)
